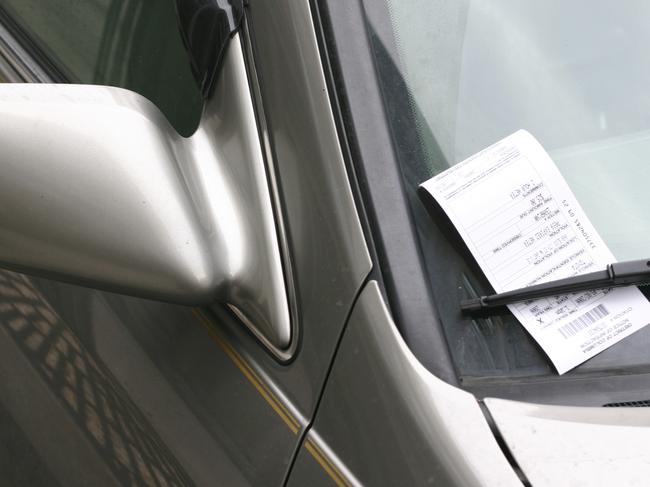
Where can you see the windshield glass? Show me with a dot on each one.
(458, 76)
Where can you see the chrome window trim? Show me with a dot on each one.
(283, 355)
(16, 62)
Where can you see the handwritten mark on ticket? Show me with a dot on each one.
(524, 226)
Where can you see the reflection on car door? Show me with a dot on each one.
(98, 388)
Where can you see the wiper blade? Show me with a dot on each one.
(619, 274)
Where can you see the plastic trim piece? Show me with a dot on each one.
(206, 27)
(20, 59)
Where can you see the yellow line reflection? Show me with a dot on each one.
(326, 464)
(250, 374)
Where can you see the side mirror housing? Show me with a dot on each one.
(98, 189)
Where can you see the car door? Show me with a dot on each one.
(100, 388)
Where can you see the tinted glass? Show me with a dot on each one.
(133, 44)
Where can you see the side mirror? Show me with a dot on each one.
(97, 189)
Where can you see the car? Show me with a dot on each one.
(219, 269)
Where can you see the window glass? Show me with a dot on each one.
(458, 76)
(133, 44)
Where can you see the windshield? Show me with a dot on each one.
(458, 76)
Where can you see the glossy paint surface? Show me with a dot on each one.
(225, 409)
(389, 421)
(576, 446)
(87, 174)
(317, 464)
(98, 398)
(65, 418)
(99, 190)
(202, 403)
(326, 244)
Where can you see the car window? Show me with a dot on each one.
(465, 74)
(133, 44)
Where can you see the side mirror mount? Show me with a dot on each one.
(98, 189)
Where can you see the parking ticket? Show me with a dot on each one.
(524, 226)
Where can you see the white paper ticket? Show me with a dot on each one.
(524, 226)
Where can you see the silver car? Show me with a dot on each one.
(218, 269)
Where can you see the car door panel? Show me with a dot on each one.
(381, 407)
(329, 256)
(219, 406)
(176, 369)
(82, 427)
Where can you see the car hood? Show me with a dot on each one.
(576, 446)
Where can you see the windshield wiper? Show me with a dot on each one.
(619, 274)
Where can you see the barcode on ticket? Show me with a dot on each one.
(583, 321)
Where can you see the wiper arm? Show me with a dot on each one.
(619, 274)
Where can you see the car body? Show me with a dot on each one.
(321, 358)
